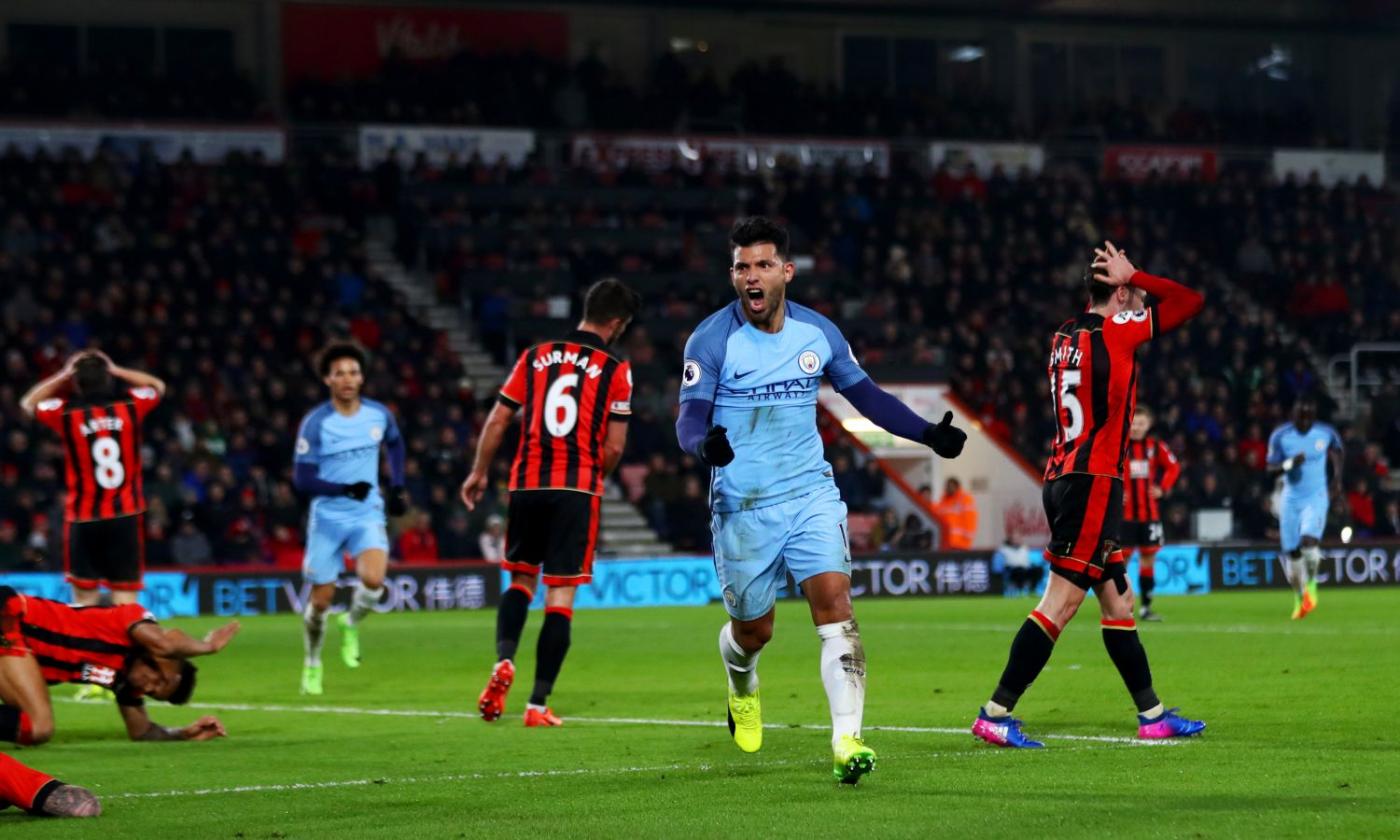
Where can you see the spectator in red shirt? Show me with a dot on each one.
(419, 544)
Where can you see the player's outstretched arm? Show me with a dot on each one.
(140, 727)
(49, 386)
(886, 411)
(170, 642)
(491, 435)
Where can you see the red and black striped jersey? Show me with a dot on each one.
(80, 644)
(567, 390)
(1093, 383)
(1150, 464)
(102, 442)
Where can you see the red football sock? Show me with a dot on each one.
(19, 784)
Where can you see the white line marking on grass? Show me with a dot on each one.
(704, 767)
(631, 721)
(455, 777)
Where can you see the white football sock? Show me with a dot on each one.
(313, 626)
(843, 676)
(1297, 574)
(1312, 559)
(362, 603)
(740, 665)
(995, 709)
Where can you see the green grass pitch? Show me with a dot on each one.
(1301, 739)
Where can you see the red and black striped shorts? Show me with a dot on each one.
(1086, 514)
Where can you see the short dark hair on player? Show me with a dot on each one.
(182, 693)
(338, 350)
(1099, 291)
(91, 377)
(752, 230)
(1144, 410)
(608, 299)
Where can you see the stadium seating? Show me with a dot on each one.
(223, 281)
(953, 274)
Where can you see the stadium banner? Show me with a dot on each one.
(897, 575)
(1137, 163)
(1011, 157)
(1332, 166)
(340, 41)
(166, 143)
(683, 581)
(439, 144)
(1253, 566)
(170, 594)
(746, 154)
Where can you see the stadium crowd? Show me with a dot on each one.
(223, 281)
(961, 274)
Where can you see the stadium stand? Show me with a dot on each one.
(947, 273)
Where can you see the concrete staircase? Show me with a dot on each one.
(623, 531)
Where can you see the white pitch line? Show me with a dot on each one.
(632, 721)
(297, 787)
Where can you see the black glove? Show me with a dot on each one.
(397, 502)
(715, 449)
(358, 491)
(945, 439)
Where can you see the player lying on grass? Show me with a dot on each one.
(749, 410)
(122, 648)
(41, 794)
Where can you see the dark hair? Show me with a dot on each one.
(338, 350)
(752, 230)
(1145, 409)
(182, 693)
(1099, 291)
(608, 299)
(91, 377)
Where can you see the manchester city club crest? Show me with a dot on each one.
(809, 361)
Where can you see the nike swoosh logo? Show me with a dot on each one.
(738, 375)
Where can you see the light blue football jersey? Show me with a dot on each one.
(764, 389)
(345, 450)
(1309, 477)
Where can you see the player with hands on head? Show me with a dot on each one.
(1093, 382)
(100, 424)
(748, 396)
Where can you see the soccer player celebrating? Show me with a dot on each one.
(41, 794)
(1301, 451)
(337, 463)
(575, 398)
(1152, 470)
(1093, 382)
(748, 410)
(120, 648)
(103, 514)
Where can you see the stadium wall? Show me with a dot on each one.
(690, 580)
